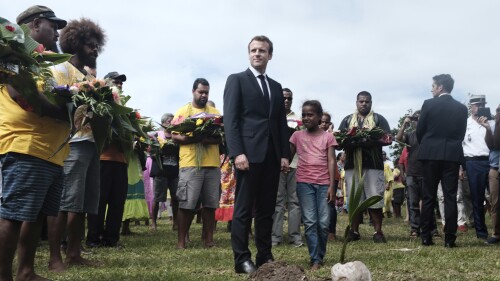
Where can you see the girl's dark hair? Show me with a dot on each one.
(78, 32)
(316, 105)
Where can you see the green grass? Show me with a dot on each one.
(152, 256)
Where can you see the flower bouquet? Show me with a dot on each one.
(24, 63)
(362, 137)
(199, 126)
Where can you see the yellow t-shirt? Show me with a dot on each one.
(187, 152)
(26, 132)
(66, 74)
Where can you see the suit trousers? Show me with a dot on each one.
(287, 197)
(446, 172)
(256, 189)
(114, 188)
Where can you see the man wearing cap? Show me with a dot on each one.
(43, 24)
(32, 179)
(116, 78)
(113, 188)
(84, 39)
(440, 131)
(477, 166)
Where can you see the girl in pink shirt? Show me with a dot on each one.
(315, 178)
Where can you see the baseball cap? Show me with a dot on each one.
(39, 11)
(116, 75)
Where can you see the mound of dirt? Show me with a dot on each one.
(279, 271)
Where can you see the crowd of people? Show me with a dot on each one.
(269, 162)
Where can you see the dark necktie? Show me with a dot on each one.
(264, 89)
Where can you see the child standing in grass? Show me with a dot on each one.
(315, 178)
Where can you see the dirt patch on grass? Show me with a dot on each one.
(279, 271)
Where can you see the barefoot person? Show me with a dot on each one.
(197, 183)
(84, 39)
(32, 183)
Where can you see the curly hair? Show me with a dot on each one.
(74, 36)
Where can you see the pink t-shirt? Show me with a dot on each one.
(313, 156)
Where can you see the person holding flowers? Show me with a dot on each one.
(367, 152)
(199, 172)
(32, 179)
(83, 39)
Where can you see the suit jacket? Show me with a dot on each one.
(248, 124)
(441, 129)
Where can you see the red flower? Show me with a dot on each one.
(386, 139)
(39, 49)
(217, 120)
(10, 28)
(352, 131)
(137, 115)
(299, 123)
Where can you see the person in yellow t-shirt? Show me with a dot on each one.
(197, 183)
(84, 39)
(32, 175)
(389, 179)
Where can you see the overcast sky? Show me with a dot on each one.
(324, 49)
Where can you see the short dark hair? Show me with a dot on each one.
(314, 104)
(201, 81)
(78, 32)
(287, 90)
(416, 112)
(262, 38)
(364, 94)
(327, 114)
(444, 80)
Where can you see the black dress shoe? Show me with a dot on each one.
(245, 267)
(450, 244)
(427, 242)
(259, 263)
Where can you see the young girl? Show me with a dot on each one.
(315, 178)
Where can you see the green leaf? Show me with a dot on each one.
(101, 128)
(120, 109)
(354, 202)
(367, 204)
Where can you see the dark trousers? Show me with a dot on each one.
(477, 173)
(114, 187)
(332, 227)
(256, 188)
(415, 193)
(446, 172)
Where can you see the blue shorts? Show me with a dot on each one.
(30, 186)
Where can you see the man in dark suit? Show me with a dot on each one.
(440, 131)
(257, 140)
